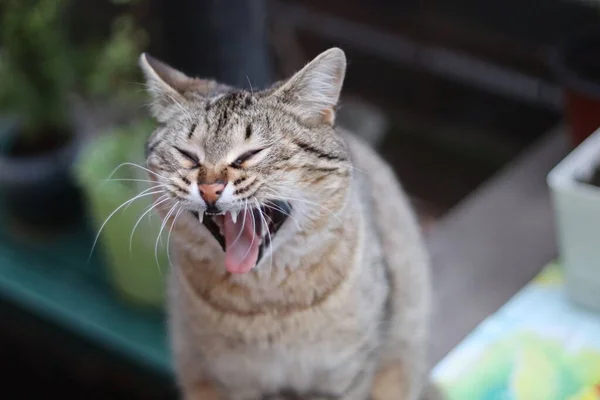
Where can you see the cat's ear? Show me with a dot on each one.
(314, 91)
(170, 89)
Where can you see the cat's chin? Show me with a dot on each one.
(245, 235)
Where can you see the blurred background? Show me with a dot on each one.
(451, 92)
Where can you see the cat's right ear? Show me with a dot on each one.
(170, 89)
(313, 93)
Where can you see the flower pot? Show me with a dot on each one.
(576, 63)
(135, 272)
(577, 212)
(38, 191)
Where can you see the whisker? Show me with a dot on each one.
(144, 105)
(362, 171)
(274, 206)
(267, 216)
(266, 226)
(137, 166)
(139, 83)
(250, 83)
(243, 224)
(279, 197)
(113, 213)
(253, 236)
(272, 193)
(130, 180)
(296, 222)
(148, 189)
(160, 233)
(152, 206)
(169, 236)
(282, 197)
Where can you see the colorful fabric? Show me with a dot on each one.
(539, 346)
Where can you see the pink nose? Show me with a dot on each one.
(211, 192)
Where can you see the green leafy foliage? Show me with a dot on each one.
(34, 63)
(115, 63)
(41, 67)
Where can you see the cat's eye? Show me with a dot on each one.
(190, 156)
(245, 157)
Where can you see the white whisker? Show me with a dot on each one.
(243, 224)
(146, 190)
(137, 166)
(362, 171)
(162, 227)
(265, 226)
(250, 83)
(253, 236)
(279, 197)
(274, 206)
(169, 236)
(113, 213)
(276, 196)
(159, 201)
(131, 180)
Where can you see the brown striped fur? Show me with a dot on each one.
(339, 308)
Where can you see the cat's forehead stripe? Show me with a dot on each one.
(192, 129)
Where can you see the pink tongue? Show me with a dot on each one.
(241, 243)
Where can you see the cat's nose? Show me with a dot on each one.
(211, 192)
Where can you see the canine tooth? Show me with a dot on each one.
(234, 215)
(200, 216)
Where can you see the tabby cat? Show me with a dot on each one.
(298, 267)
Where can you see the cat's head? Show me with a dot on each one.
(250, 166)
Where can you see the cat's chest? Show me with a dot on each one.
(322, 351)
(323, 367)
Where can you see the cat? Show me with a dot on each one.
(298, 267)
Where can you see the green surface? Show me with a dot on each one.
(55, 281)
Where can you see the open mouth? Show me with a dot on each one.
(245, 235)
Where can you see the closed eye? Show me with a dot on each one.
(190, 156)
(245, 157)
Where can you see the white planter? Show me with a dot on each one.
(577, 211)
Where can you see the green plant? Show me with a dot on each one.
(40, 67)
(34, 65)
(115, 62)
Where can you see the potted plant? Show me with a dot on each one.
(38, 141)
(108, 95)
(59, 87)
(575, 189)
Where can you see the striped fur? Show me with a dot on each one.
(339, 307)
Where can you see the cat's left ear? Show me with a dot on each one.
(314, 91)
(170, 89)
